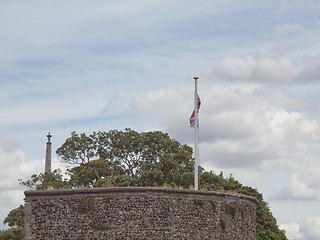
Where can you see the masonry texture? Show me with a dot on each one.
(138, 213)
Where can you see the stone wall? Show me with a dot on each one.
(138, 213)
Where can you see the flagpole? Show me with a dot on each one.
(196, 136)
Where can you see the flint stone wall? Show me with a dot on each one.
(138, 213)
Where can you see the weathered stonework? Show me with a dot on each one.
(138, 213)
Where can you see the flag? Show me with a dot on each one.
(198, 102)
(192, 118)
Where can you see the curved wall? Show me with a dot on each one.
(138, 213)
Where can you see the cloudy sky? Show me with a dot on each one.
(98, 65)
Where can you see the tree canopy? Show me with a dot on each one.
(129, 158)
(15, 219)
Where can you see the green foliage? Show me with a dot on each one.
(15, 217)
(93, 174)
(141, 159)
(16, 233)
(46, 181)
(211, 181)
(268, 235)
(78, 149)
(267, 227)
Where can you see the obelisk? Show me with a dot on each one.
(48, 155)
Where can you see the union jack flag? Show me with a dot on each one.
(198, 102)
(192, 118)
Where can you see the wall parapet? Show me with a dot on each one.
(60, 192)
(138, 212)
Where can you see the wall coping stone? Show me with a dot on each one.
(80, 191)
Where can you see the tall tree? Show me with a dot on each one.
(136, 153)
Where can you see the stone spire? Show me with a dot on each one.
(48, 155)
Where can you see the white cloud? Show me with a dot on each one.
(266, 70)
(293, 231)
(305, 179)
(308, 229)
(300, 189)
(311, 228)
(236, 68)
(14, 165)
(293, 58)
(240, 125)
(10, 164)
(9, 199)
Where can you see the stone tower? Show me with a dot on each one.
(48, 155)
